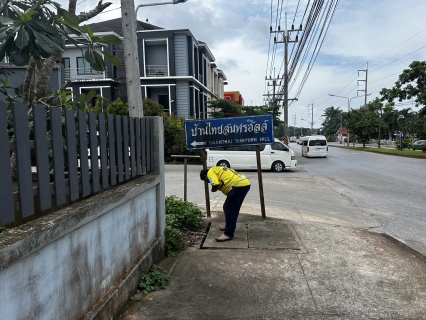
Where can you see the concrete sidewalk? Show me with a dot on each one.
(289, 269)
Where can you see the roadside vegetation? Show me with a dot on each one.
(381, 119)
(183, 222)
(394, 152)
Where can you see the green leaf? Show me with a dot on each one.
(6, 21)
(100, 63)
(22, 38)
(110, 39)
(20, 57)
(89, 31)
(47, 44)
(69, 19)
(42, 26)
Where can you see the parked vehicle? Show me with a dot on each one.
(314, 146)
(418, 144)
(293, 139)
(276, 157)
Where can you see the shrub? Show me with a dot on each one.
(181, 216)
(117, 107)
(405, 144)
(424, 148)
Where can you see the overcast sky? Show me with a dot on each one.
(388, 34)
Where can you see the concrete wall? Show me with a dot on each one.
(83, 262)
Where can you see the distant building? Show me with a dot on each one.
(234, 96)
(341, 136)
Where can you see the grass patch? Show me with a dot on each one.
(393, 152)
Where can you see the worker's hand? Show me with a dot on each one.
(215, 188)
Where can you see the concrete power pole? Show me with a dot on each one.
(131, 59)
(365, 88)
(312, 118)
(286, 40)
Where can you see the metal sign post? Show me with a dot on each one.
(235, 131)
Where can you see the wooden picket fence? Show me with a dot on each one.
(62, 156)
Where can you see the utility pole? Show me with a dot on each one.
(365, 88)
(286, 40)
(131, 59)
(294, 125)
(312, 117)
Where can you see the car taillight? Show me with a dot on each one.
(327, 148)
(308, 149)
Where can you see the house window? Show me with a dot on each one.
(83, 67)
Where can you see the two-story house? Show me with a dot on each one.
(177, 71)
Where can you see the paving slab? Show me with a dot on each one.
(344, 273)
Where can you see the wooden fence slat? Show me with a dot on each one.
(58, 155)
(72, 155)
(84, 157)
(94, 165)
(23, 160)
(111, 146)
(126, 148)
(103, 150)
(119, 149)
(143, 139)
(138, 145)
(148, 146)
(132, 146)
(42, 158)
(6, 191)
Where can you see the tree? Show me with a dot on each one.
(411, 84)
(224, 108)
(33, 34)
(363, 123)
(332, 121)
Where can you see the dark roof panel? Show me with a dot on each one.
(115, 26)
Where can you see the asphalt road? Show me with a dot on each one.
(390, 188)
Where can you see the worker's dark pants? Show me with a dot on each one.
(232, 207)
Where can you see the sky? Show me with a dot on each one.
(385, 34)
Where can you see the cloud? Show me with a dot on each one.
(376, 32)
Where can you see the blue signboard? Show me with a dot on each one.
(213, 133)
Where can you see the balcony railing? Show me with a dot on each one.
(156, 70)
(76, 74)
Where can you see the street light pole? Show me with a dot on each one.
(131, 57)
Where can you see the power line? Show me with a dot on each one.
(398, 59)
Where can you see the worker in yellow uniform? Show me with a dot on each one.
(235, 187)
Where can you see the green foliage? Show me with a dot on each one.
(332, 121)
(180, 216)
(224, 109)
(33, 29)
(101, 105)
(411, 84)
(174, 136)
(186, 215)
(3, 229)
(118, 107)
(154, 280)
(405, 144)
(152, 108)
(363, 122)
